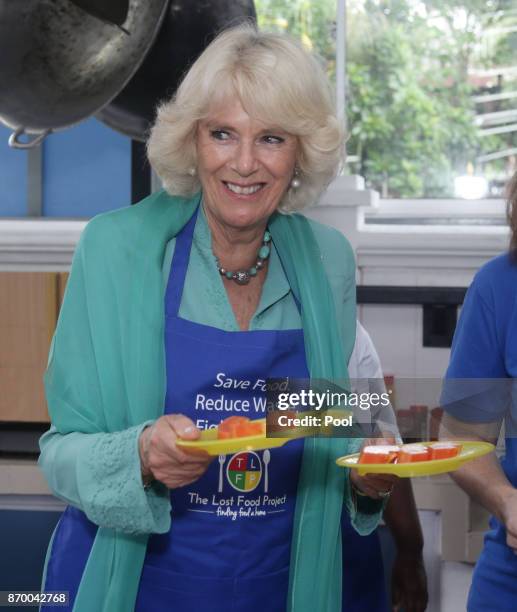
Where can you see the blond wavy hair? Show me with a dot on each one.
(277, 82)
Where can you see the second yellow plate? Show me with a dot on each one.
(469, 451)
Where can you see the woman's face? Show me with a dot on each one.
(245, 166)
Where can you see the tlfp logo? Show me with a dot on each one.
(244, 471)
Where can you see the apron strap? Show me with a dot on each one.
(179, 267)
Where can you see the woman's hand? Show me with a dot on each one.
(163, 460)
(376, 486)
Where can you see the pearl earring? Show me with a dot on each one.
(295, 182)
(192, 171)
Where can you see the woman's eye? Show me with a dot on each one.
(220, 134)
(270, 139)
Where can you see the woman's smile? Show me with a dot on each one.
(243, 190)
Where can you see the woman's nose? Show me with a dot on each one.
(245, 161)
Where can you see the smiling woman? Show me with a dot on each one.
(164, 297)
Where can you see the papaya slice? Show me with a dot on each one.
(444, 450)
(238, 427)
(412, 453)
(384, 453)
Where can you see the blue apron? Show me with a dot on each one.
(71, 544)
(229, 545)
(228, 548)
(494, 582)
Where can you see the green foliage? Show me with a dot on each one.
(311, 22)
(410, 137)
(409, 109)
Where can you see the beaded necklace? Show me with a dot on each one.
(242, 277)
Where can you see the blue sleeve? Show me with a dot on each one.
(476, 352)
(476, 388)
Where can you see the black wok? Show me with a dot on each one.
(60, 63)
(187, 29)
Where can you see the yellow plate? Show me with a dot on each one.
(209, 443)
(469, 451)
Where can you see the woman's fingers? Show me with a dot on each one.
(379, 482)
(182, 426)
(371, 492)
(167, 461)
(380, 479)
(376, 486)
(171, 427)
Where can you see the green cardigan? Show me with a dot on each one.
(106, 379)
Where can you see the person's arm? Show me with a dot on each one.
(408, 579)
(121, 480)
(483, 479)
(100, 473)
(477, 393)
